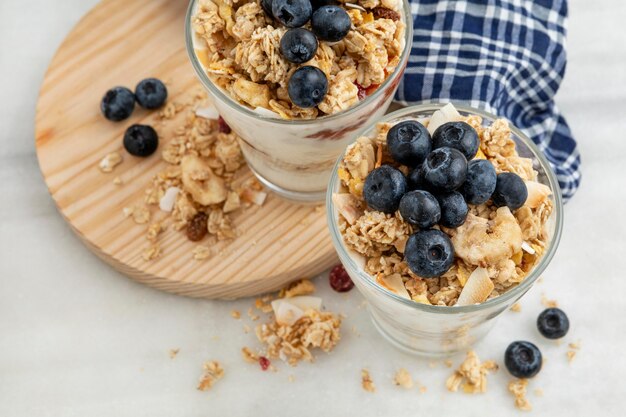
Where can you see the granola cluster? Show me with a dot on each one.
(239, 47)
(201, 185)
(495, 247)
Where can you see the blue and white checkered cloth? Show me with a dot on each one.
(505, 56)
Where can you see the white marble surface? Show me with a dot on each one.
(79, 339)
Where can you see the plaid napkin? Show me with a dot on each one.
(505, 56)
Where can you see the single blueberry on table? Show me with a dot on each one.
(457, 135)
(553, 323)
(408, 143)
(453, 209)
(307, 86)
(420, 208)
(118, 104)
(151, 93)
(510, 191)
(429, 253)
(298, 45)
(331, 23)
(523, 359)
(141, 140)
(292, 13)
(480, 182)
(384, 188)
(445, 169)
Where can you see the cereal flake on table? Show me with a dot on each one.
(403, 379)
(366, 381)
(212, 372)
(173, 352)
(471, 375)
(518, 387)
(110, 161)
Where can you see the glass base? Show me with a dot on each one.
(312, 197)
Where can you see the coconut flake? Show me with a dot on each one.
(447, 113)
(262, 111)
(476, 289)
(355, 6)
(394, 284)
(209, 112)
(527, 248)
(169, 199)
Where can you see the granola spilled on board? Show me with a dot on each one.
(494, 249)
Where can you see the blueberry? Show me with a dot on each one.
(444, 169)
(298, 45)
(553, 323)
(453, 209)
(292, 13)
(510, 191)
(141, 140)
(383, 188)
(331, 23)
(307, 86)
(408, 143)
(266, 5)
(415, 180)
(457, 135)
(480, 182)
(420, 208)
(151, 93)
(522, 359)
(429, 253)
(118, 104)
(316, 4)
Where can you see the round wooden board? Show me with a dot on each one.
(119, 43)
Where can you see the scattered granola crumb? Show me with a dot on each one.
(422, 389)
(366, 381)
(117, 181)
(293, 343)
(140, 215)
(448, 363)
(516, 308)
(174, 352)
(264, 304)
(297, 288)
(154, 230)
(151, 252)
(538, 392)
(547, 302)
(472, 374)
(291, 378)
(246, 329)
(403, 379)
(517, 387)
(213, 372)
(571, 354)
(248, 355)
(251, 314)
(201, 252)
(574, 345)
(235, 314)
(110, 161)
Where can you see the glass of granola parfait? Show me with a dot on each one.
(296, 79)
(443, 217)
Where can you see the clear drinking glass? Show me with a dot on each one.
(435, 330)
(294, 158)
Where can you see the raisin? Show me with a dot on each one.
(340, 280)
(264, 362)
(197, 227)
(222, 126)
(385, 13)
(362, 91)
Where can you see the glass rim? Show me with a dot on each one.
(235, 105)
(514, 293)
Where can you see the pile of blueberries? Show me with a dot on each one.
(438, 188)
(118, 104)
(523, 359)
(308, 84)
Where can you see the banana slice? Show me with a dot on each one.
(205, 187)
(476, 289)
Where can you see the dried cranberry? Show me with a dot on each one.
(222, 126)
(197, 227)
(385, 13)
(264, 362)
(339, 279)
(362, 91)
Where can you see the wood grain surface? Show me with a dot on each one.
(119, 43)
